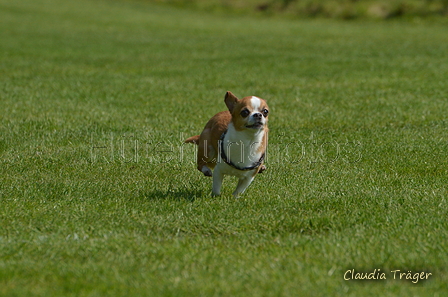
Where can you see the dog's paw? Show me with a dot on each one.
(262, 168)
(207, 171)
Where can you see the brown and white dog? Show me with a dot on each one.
(234, 142)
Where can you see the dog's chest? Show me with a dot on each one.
(243, 148)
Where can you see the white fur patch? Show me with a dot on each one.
(242, 148)
(256, 103)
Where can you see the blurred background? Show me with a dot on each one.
(341, 9)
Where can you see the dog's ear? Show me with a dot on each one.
(230, 100)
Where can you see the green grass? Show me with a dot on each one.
(99, 197)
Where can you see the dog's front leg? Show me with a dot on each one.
(243, 183)
(218, 176)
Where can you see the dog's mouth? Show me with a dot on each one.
(257, 125)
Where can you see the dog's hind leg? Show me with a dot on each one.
(206, 154)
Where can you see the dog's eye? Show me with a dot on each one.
(244, 113)
(265, 112)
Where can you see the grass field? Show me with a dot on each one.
(99, 197)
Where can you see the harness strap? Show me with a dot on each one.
(230, 163)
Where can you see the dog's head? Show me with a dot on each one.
(249, 113)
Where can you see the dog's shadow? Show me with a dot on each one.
(174, 194)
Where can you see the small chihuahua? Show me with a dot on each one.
(234, 142)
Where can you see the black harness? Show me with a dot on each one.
(230, 163)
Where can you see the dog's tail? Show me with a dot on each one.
(193, 139)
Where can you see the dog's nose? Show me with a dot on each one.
(257, 115)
